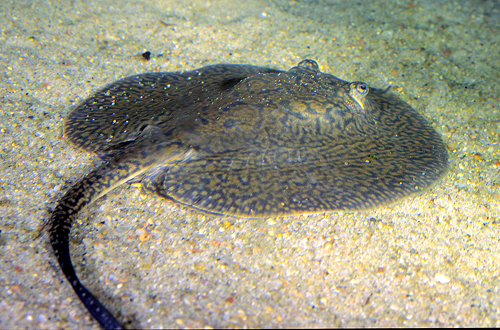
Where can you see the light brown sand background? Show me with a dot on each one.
(431, 260)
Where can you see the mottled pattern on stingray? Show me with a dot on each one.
(120, 111)
(263, 142)
(309, 168)
(247, 141)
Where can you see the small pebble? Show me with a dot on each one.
(441, 278)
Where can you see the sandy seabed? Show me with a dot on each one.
(431, 260)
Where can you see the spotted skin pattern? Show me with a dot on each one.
(247, 141)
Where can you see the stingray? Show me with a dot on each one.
(247, 141)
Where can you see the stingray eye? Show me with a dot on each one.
(362, 88)
(357, 96)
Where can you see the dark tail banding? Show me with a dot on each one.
(63, 216)
(98, 311)
(138, 158)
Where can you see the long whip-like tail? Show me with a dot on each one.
(124, 166)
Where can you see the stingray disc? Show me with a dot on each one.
(263, 142)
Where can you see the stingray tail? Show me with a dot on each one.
(80, 195)
(145, 153)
